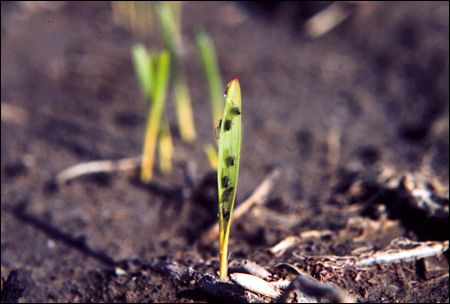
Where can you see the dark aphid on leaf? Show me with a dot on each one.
(226, 194)
(235, 110)
(230, 161)
(226, 215)
(227, 125)
(225, 181)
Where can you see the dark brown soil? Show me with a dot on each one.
(378, 83)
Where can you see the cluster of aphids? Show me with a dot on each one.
(230, 160)
(227, 124)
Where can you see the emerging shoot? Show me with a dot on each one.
(159, 91)
(228, 167)
(211, 153)
(207, 54)
(169, 16)
(165, 148)
(145, 65)
(136, 15)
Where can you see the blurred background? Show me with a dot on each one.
(325, 86)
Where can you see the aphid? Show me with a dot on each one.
(227, 193)
(225, 181)
(227, 125)
(226, 215)
(230, 161)
(235, 110)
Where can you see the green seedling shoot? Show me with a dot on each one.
(206, 51)
(228, 168)
(136, 15)
(165, 149)
(153, 73)
(211, 153)
(207, 54)
(169, 16)
(143, 66)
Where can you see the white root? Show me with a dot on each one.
(283, 245)
(255, 284)
(400, 250)
(93, 167)
(251, 268)
(422, 250)
(291, 241)
(314, 291)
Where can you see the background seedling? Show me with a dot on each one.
(165, 148)
(153, 74)
(211, 153)
(207, 54)
(229, 149)
(137, 15)
(169, 16)
(154, 117)
(144, 68)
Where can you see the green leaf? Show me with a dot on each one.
(155, 115)
(228, 166)
(211, 153)
(143, 66)
(169, 16)
(206, 51)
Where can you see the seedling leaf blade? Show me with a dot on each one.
(155, 115)
(165, 148)
(169, 15)
(207, 53)
(228, 166)
(143, 67)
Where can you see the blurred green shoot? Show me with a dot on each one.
(137, 15)
(211, 153)
(165, 148)
(153, 74)
(144, 68)
(228, 167)
(154, 118)
(207, 53)
(169, 16)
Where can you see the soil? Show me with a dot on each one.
(329, 112)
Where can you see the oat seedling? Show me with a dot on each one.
(207, 54)
(211, 153)
(144, 69)
(165, 148)
(136, 15)
(153, 75)
(169, 16)
(228, 167)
